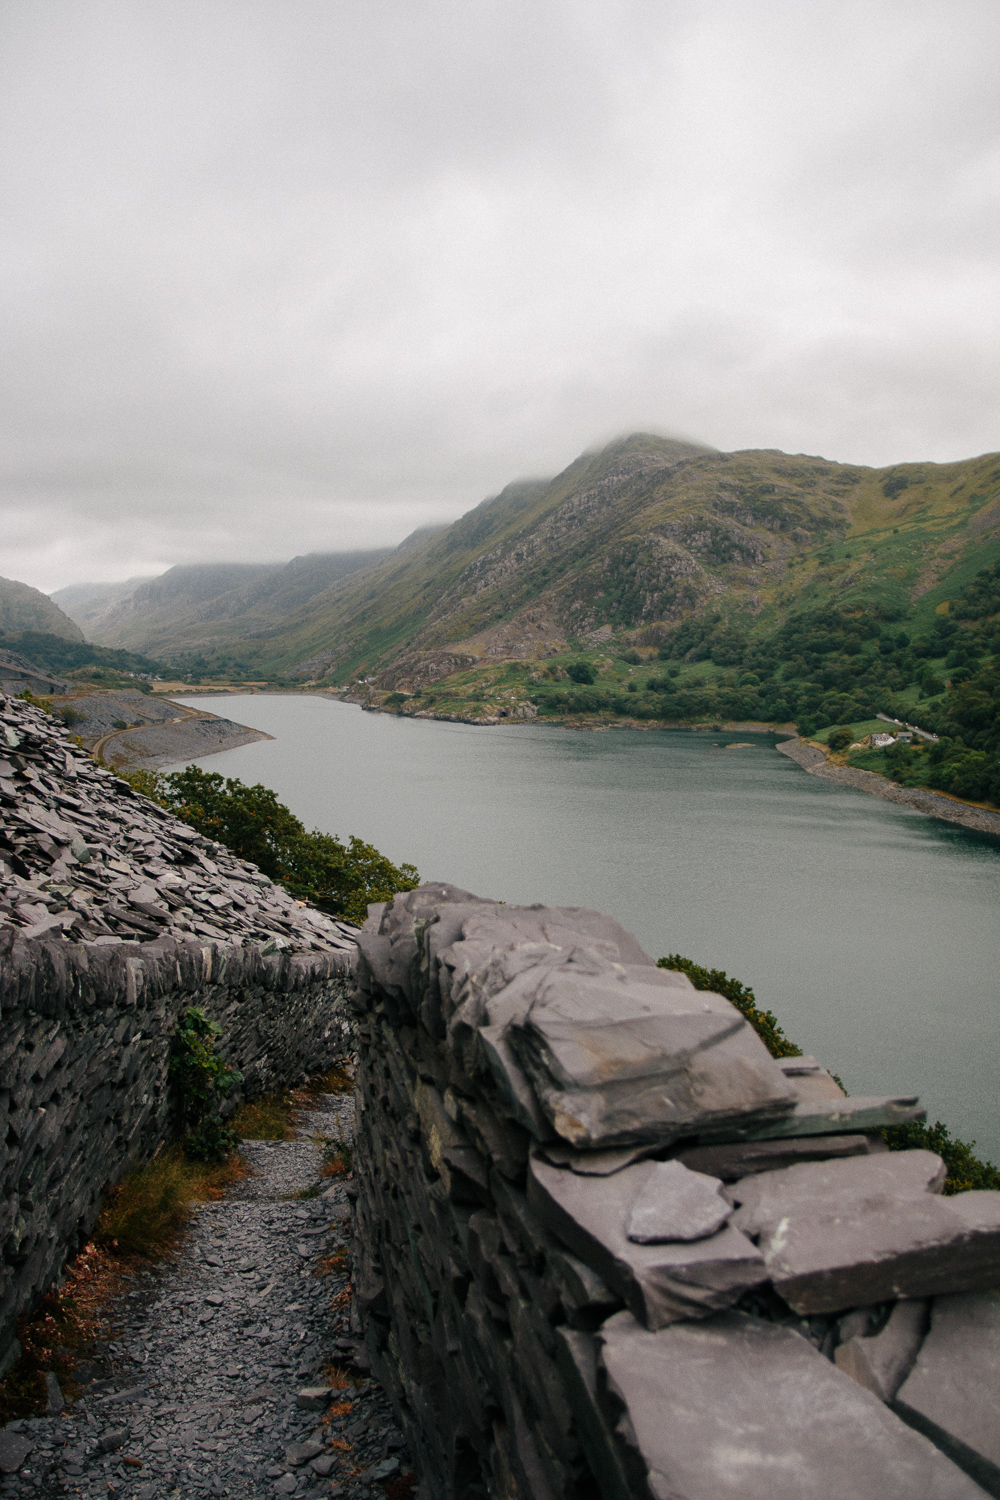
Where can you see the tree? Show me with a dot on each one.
(249, 820)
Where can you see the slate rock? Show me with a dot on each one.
(767, 1198)
(848, 1115)
(617, 1060)
(297, 1454)
(55, 1402)
(660, 1283)
(743, 1158)
(675, 1203)
(736, 1408)
(314, 1397)
(14, 1449)
(953, 1392)
(909, 1247)
(881, 1362)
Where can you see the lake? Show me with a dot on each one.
(871, 931)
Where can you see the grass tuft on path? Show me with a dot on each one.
(145, 1212)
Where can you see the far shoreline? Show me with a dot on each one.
(806, 754)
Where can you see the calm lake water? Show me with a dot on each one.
(870, 931)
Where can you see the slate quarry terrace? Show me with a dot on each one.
(84, 858)
(791, 1303)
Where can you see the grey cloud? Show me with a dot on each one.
(314, 274)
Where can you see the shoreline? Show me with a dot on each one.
(932, 804)
(805, 754)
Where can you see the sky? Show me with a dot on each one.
(303, 275)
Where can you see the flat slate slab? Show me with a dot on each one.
(743, 1158)
(675, 1203)
(953, 1392)
(621, 1059)
(768, 1198)
(911, 1247)
(660, 1283)
(735, 1408)
(882, 1361)
(828, 1117)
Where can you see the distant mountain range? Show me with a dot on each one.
(24, 608)
(645, 532)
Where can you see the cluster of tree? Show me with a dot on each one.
(830, 666)
(58, 656)
(339, 878)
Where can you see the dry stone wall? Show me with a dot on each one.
(114, 918)
(606, 1246)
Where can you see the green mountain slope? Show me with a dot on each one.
(628, 545)
(24, 608)
(210, 610)
(647, 534)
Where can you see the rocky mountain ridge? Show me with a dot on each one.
(638, 536)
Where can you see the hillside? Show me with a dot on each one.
(86, 602)
(210, 610)
(640, 537)
(643, 546)
(24, 608)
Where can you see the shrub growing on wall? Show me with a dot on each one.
(340, 879)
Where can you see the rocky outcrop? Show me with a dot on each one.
(606, 1245)
(114, 918)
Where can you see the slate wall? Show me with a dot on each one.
(532, 1348)
(84, 1041)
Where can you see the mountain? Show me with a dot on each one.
(24, 608)
(632, 542)
(85, 602)
(212, 608)
(642, 535)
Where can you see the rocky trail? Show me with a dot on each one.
(217, 1366)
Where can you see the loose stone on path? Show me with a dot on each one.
(211, 1357)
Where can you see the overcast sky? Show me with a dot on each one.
(280, 276)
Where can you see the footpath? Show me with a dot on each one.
(219, 1361)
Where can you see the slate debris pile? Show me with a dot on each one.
(606, 1244)
(84, 858)
(201, 1391)
(105, 939)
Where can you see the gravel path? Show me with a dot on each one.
(213, 1350)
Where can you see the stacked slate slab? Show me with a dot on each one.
(608, 1246)
(114, 918)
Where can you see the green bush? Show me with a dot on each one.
(201, 1080)
(839, 739)
(763, 1021)
(965, 1170)
(582, 672)
(316, 867)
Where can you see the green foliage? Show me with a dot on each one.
(965, 1170)
(763, 1021)
(582, 672)
(840, 739)
(201, 1080)
(316, 867)
(53, 654)
(146, 783)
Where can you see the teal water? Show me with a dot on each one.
(870, 931)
